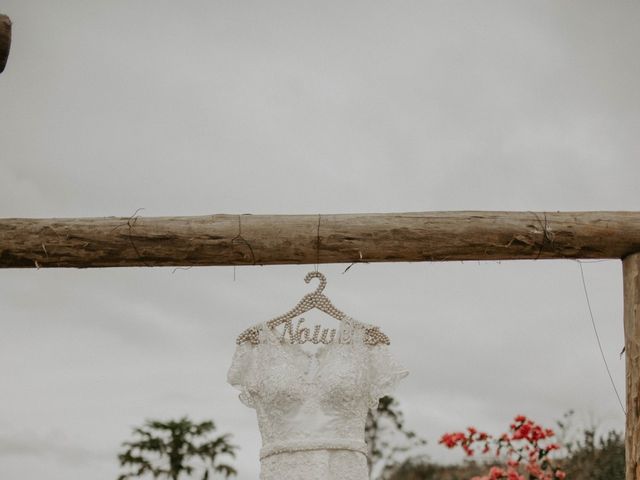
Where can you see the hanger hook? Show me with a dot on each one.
(323, 281)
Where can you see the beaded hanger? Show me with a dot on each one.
(316, 299)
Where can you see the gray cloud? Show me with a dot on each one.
(51, 444)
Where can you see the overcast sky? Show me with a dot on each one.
(203, 107)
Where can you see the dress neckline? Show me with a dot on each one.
(298, 347)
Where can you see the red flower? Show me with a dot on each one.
(525, 431)
(496, 473)
(452, 439)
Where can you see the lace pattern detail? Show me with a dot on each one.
(308, 403)
(386, 372)
(240, 375)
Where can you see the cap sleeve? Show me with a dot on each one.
(240, 372)
(385, 372)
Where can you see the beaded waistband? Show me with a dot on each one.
(322, 444)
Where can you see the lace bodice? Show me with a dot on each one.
(313, 401)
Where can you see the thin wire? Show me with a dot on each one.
(243, 240)
(584, 286)
(318, 245)
(353, 263)
(240, 236)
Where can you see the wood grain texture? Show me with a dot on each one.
(5, 40)
(226, 239)
(631, 274)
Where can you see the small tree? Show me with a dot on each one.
(164, 450)
(381, 431)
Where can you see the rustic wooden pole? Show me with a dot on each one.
(5, 40)
(308, 239)
(631, 275)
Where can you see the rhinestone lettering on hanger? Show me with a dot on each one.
(303, 334)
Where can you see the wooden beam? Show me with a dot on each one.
(631, 276)
(225, 239)
(5, 40)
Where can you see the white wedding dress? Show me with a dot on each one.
(312, 407)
